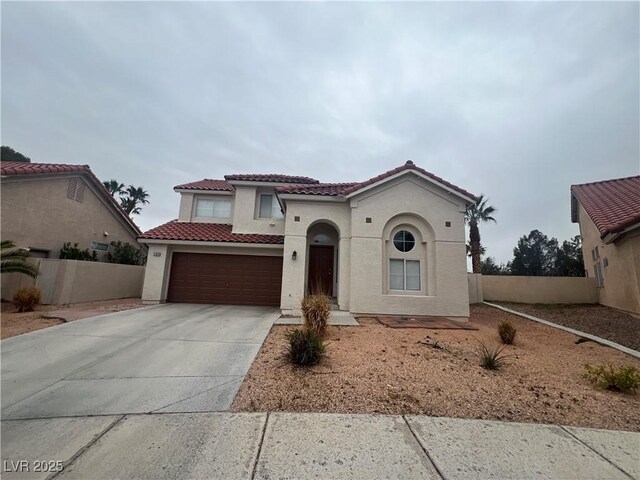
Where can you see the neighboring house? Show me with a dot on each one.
(45, 205)
(609, 216)
(392, 244)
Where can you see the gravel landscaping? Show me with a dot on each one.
(605, 322)
(375, 369)
(13, 323)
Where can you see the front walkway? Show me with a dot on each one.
(309, 445)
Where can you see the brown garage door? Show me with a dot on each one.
(225, 279)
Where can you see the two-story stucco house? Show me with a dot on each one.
(608, 213)
(392, 244)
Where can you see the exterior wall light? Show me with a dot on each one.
(294, 255)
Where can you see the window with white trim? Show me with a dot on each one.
(269, 206)
(404, 274)
(208, 208)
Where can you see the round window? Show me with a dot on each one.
(404, 241)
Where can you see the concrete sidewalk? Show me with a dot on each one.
(309, 445)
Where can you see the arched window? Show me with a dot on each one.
(406, 257)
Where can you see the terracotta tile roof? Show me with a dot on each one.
(206, 184)
(613, 205)
(23, 168)
(207, 232)
(327, 189)
(270, 177)
(409, 165)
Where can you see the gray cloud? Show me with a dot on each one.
(514, 100)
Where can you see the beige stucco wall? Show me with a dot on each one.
(156, 278)
(512, 288)
(74, 281)
(36, 213)
(245, 213)
(476, 294)
(363, 279)
(621, 287)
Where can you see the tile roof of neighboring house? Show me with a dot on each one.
(613, 205)
(270, 177)
(327, 189)
(206, 232)
(24, 168)
(18, 169)
(206, 184)
(409, 165)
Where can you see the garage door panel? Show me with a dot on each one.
(225, 279)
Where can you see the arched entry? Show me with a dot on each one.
(322, 263)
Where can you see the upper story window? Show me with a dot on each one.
(269, 206)
(404, 241)
(206, 208)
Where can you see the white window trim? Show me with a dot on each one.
(404, 275)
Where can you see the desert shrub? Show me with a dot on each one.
(507, 332)
(305, 347)
(126, 254)
(74, 253)
(612, 377)
(491, 359)
(315, 312)
(26, 298)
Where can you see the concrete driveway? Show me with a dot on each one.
(164, 358)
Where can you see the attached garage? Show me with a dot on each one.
(225, 279)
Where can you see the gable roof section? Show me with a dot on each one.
(23, 169)
(206, 232)
(206, 184)
(613, 205)
(409, 165)
(345, 189)
(270, 177)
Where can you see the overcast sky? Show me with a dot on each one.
(513, 100)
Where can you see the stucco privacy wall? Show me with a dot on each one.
(511, 288)
(37, 214)
(362, 270)
(75, 281)
(621, 276)
(156, 276)
(475, 288)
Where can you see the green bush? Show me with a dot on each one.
(315, 312)
(305, 347)
(126, 254)
(26, 299)
(612, 377)
(491, 359)
(507, 332)
(74, 253)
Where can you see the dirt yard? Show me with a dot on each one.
(376, 369)
(13, 323)
(605, 322)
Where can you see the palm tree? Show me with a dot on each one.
(134, 199)
(14, 259)
(476, 213)
(114, 187)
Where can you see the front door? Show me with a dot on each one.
(321, 269)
